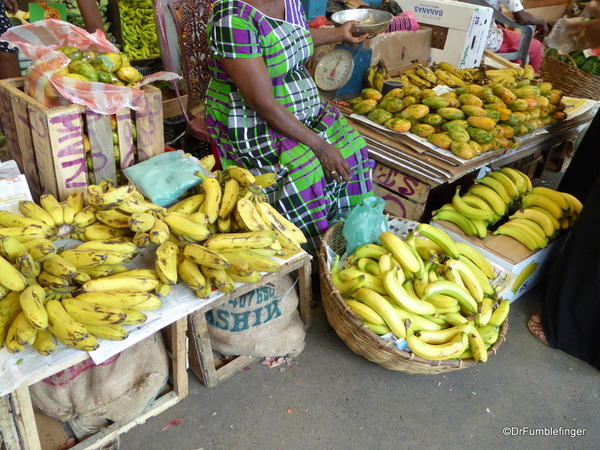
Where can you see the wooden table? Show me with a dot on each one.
(405, 174)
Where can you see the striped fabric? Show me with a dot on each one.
(301, 193)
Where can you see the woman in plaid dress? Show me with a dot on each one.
(264, 111)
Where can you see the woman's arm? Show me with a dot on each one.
(251, 77)
(91, 15)
(323, 36)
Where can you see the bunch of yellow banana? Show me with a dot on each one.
(426, 288)
(375, 76)
(510, 76)
(538, 213)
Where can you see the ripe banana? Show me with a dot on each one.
(500, 314)
(10, 308)
(426, 73)
(113, 218)
(44, 342)
(365, 312)
(508, 184)
(112, 198)
(119, 245)
(519, 234)
(203, 256)
(485, 312)
(139, 205)
(443, 336)
(208, 162)
(384, 308)
(449, 288)
(250, 278)
(440, 237)
(575, 206)
(401, 251)
(32, 303)
(543, 220)
(265, 180)
(249, 216)
(58, 266)
(89, 344)
(532, 227)
(191, 275)
(108, 332)
(92, 314)
(243, 176)
(497, 186)
(36, 212)
(219, 279)
(553, 195)
(74, 205)
(125, 283)
(10, 248)
(119, 299)
(469, 279)
(461, 221)
(100, 232)
(124, 272)
(62, 325)
(397, 293)
(516, 178)
(436, 352)
(28, 266)
(10, 277)
(252, 261)
(53, 208)
(472, 212)
(141, 222)
(166, 262)
(276, 221)
(241, 241)
(186, 228)
(84, 218)
(523, 276)
(212, 201)
(490, 197)
(230, 196)
(159, 232)
(478, 347)
(8, 219)
(188, 205)
(484, 282)
(22, 330)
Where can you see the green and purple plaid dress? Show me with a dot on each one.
(301, 193)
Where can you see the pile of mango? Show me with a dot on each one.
(469, 120)
(109, 68)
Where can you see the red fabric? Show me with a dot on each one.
(511, 44)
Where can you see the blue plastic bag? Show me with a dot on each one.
(165, 177)
(365, 223)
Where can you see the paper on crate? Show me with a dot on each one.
(459, 29)
(13, 187)
(508, 257)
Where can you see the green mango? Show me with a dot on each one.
(480, 136)
(379, 115)
(83, 68)
(73, 53)
(104, 77)
(423, 130)
(436, 102)
(108, 62)
(460, 123)
(433, 120)
(89, 56)
(459, 135)
(441, 140)
(471, 110)
(391, 104)
(493, 114)
(451, 113)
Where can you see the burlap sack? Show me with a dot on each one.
(117, 390)
(261, 323)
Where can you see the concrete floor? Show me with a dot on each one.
(331, 398)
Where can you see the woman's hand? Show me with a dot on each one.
(334, 165)
(11, 6)
(347, 36)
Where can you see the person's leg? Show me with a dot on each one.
(9, 65)
(536, 55)
(511, 43)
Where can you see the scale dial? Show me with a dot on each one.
(334, 70)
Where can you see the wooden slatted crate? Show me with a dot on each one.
(48, 143)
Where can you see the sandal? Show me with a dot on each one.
(534, 324)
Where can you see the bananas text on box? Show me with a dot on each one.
(543, 431)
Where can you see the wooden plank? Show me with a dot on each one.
(40, 136)
(305, 293)
(23, 130)
(66, 136)
(171, 107)
(233, 366)
(178, 339)
(9, 435)
(125, 132)
(100, 135)
(400, 183)
(201, 348)
(9, 129)
(399, 206)
(110, 433)
(25, 418)
(149, 122)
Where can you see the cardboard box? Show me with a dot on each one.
(509, 259)
(399, 49)
(13, 187)
(459, 29)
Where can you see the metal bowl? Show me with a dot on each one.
(370, 21)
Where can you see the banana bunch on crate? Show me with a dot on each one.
(535, 215)
(510, 77)
(375, 76)
(140, 40)
(428, 289)
(223, 234)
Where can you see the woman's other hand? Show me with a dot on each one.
(347, 36)
(334, 165)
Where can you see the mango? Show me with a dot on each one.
(455, 124)
(371, 94)
(76, 76)
(436, 102)
(471, 110)
(535, 114)
(475, 89)
(108, 62)
(423, 130)
(544, 102)
(401, 125)
(391, 104)
(470, 99)
(63, 71)
(89, 56)
(125, 62)
(433, 119)
(485, 123)
(545, 88)
(523, 117)
(104, 77)
(507, 131)
(476, 147)
(454, 103)
(523, 83)
(83, 68)
(441, 140)
(394, 93)
(513, 121)
(365, 106)
(529, 91)
(409, 100)
(519, 105)
(426, 93)
(379, 115)
(547, 120)
(505, 94)
(493, 114)
(463, 150)
(355, 100)
(459, 135)
(451, 113)
(480, 136)
(415, 112)
(411, 90)
(485, 148)
(73, 53)
(129, 74)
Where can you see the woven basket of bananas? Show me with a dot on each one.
(452, 330)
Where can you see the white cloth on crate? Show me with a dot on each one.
(495, 36)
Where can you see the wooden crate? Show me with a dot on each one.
(48, 144)
(202, 361)
(17, 418)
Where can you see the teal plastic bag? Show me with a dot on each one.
(365, 223)
(165, 177)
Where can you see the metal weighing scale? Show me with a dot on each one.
(340, 73)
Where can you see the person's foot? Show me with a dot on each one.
(535, 327)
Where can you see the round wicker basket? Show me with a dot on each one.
(572, 81)
(361, 339)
